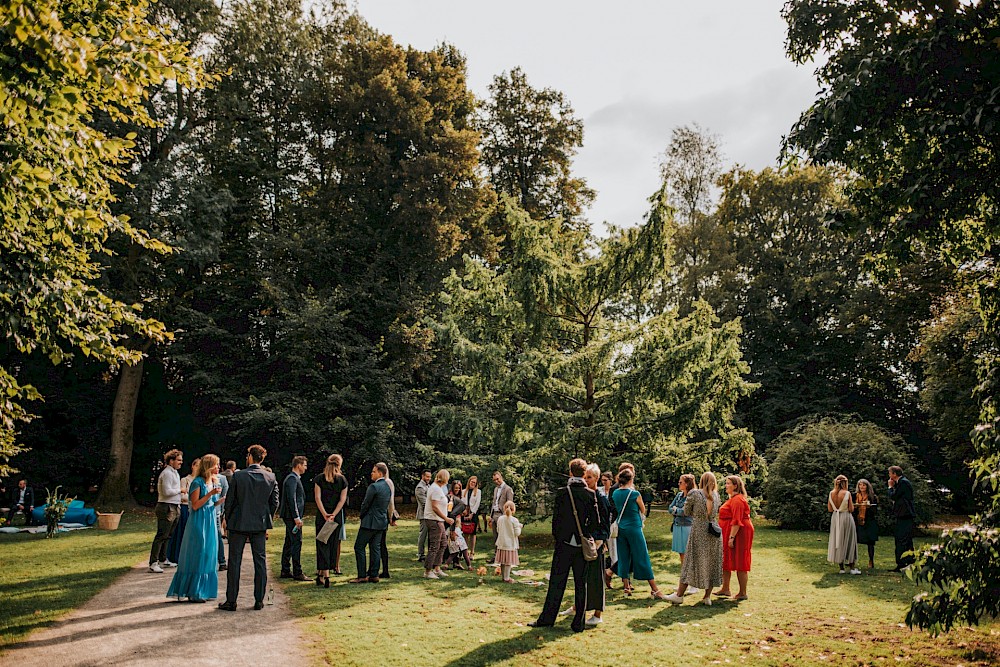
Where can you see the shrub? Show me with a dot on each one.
(806, 459)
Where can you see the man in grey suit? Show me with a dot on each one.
(250, 504)
(501, 495)
(421, 493)
(374, 522)
(293, 507)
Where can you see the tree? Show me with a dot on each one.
(61, 66)
(548, 371)
(529, 138)
(910, 103)
(690, 170)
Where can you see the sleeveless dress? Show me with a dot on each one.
(197, 573)
(633, 555)
(843, 536)
(702, 566)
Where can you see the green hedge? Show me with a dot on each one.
(805, 460)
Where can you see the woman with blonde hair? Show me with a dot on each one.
(702, 566)
(470, 520)
(843, 547)
(330, 494)
(197, 575)
(737, 537)
(508, 530)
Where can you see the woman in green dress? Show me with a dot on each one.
(866, 518)
(633, 555)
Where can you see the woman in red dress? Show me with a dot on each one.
(737, 535)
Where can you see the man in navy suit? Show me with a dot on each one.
(374, 523)
(251, 502)
(293, 507)
(22, 499)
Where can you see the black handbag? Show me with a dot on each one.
(714, 529)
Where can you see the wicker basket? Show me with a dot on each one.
(108, 521)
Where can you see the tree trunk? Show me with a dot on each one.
(116, 487)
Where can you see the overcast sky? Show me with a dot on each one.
(633, 70)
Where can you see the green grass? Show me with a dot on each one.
(43, 579)
(801, 611)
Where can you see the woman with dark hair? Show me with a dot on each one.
(866, 518)
(843, 549)
(611, 566)
(330, 494)
(633, 555)
(682, 523)
(457, 549)
(737, 537)
(470, 520)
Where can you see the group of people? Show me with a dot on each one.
(854, 521)
(714, 540)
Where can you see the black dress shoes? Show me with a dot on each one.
(539, 624)
(285, 575)
(258, 606)
(227, 606)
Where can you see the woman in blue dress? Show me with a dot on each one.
(633, 555)
(197, 575)
(682, 523)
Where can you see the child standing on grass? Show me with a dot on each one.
(508, 530)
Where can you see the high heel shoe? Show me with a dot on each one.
(326, 582)
(657, 595)
(628, 591)
(319, 580)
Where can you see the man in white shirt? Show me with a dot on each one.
(168, 507)
(436, 518)
(421, 494)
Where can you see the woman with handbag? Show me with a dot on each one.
(473, 501)
(594, 570)
(633, 555)
(703, 561)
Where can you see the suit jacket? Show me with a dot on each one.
(601, 531)
(252, 500)
(293, 497)
(563, 521)
(902, 499)
(29, 497)
(506, 494)
(375, 507)
(421, 493)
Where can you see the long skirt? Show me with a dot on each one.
(594, 576)
(197, 574)
(174, 545)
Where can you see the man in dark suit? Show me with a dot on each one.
(901, 494)
(22, 499)
(250, 505)
(568, 555)
(293, 507)
(374, 523)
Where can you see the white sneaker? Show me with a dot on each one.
(855, 571)
(430, 575)
(707, 602)
(441, 573)
(567, 612)
(167, 563)
(843, 571)
(155, 567)
(593, 620)
(691, 590)
(674, 598)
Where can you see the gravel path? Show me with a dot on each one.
(132, 623)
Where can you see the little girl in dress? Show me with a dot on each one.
(508, 530)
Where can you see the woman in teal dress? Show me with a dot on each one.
(197, 574)
(633, 556)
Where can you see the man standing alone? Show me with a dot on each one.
(421, 494)
(901, 494)
(293, 507)
(250, 504)
(168, 507)
(374, 523)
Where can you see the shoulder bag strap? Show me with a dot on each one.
(622, 513)
(575, 515)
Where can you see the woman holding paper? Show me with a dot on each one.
(330, 492)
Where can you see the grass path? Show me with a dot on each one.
(800, 612)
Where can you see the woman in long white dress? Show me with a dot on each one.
(843, 547)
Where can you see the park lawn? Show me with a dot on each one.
(43, 579)
(801, 611)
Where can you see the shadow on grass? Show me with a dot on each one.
(687, 613)
(502, 650)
